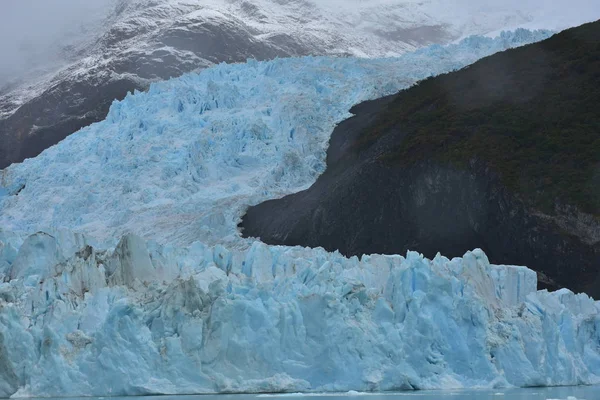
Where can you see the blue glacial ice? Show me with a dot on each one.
(183, 161)
(140, 318)
(167, 298)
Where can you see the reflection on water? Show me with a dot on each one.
(563, 393)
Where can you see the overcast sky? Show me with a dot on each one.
(31, 29)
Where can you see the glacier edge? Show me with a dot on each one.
(142, 318)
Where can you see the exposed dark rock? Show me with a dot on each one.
(432, 168)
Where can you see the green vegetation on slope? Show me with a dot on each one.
(532, 114)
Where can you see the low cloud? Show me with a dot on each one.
(33, 32)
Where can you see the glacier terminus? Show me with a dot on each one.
(145, 319)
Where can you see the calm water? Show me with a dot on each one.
(577, 392)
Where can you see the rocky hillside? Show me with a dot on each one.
(503, 155)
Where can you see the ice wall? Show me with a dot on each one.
(141, 318)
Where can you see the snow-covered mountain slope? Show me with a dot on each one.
(140, 318)
(147, 40)
(181, 162)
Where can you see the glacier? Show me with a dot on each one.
(143, 318)
(122, 271)
(182, 162)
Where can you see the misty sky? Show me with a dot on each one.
(31, 30)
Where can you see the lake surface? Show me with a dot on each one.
(563, 393)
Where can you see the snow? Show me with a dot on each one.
(183, 161)
(372, 28)
(141, 318)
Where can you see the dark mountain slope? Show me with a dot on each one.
(503, 155)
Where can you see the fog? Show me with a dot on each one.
(33, 33)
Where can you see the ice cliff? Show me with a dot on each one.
(142, 318)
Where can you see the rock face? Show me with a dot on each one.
(147, 40)
(394, 182)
